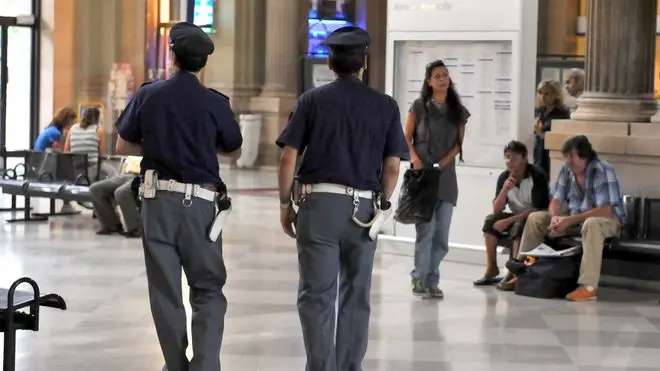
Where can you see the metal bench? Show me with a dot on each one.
(13, 316)
(45, 175)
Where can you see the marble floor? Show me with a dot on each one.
(108, 326)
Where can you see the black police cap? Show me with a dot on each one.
(348, 39)
(188, 40)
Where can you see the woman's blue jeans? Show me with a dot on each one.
(432, 244)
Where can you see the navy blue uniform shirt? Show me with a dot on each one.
(180, 125)
(346, 129)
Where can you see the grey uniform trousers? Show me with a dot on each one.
(115, 189)
(330, 244)
(175, 236)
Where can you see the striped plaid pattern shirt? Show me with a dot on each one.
(601, 188)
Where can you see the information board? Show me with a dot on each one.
(482, 74)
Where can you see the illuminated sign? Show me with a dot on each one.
(423, 5)
(203, 14)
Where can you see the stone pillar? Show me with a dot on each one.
(97, 47)
(282, 33)
(247, 75)
(620, 61)
(64, 35)
(377, 27)
(132, 28)
(557, 26)
(615, 110)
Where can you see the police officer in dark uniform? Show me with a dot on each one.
(353, 142)
(179, 127)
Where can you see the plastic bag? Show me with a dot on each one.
(418, 197)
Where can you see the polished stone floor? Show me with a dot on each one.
(108, 325)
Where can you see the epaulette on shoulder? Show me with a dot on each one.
(146, 83)
(219, 93)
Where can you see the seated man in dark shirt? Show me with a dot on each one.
(522, 187)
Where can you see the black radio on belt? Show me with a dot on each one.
(135, 189)
(223, 201)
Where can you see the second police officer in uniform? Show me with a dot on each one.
(353, 141)
(179, 127)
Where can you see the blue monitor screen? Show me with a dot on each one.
(203, 14)
(319, 29)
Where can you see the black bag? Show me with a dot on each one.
(548, 277)
(419, 196)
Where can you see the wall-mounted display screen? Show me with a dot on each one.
(319, 29)
(203, 14)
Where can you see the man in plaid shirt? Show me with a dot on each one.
(589, 188)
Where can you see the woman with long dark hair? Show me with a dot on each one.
(434, 130)
(88, 137)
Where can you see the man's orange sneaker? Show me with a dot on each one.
(583, 293)
(509, 285)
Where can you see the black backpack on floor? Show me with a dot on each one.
(547, 277)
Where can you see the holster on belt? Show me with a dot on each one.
(148, 186)
(383, 212)
(222, 211)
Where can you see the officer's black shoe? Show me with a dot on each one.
(109, 231)
(135, 233)
(418, 288)
(433, 292)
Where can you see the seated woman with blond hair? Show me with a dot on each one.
(549, 106)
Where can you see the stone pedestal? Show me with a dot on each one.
(615, 110)
(632, 148)
(275, 113)
(283, 31)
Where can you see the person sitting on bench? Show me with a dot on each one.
(51, 138)
(589, 188)
(117, 189)
(524, 188)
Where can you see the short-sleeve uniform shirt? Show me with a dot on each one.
(345, 129)
(181, 126)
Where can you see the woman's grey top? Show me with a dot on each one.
(85, 140)
(435, 135)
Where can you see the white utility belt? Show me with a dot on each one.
(151, 185)
(194, 190)
(355, 194)
(336, 189)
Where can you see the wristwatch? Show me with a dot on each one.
(285, 206)
(285, 203)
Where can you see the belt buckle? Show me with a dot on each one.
(170, 185)
(350, 191)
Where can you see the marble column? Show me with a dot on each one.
(283, 30)
(620, 61)
(248, 57)
(97, 47)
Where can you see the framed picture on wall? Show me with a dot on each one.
(84, 106)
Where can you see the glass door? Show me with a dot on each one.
(16, 91)
(3, 91)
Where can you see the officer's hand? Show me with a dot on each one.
(288, 220)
